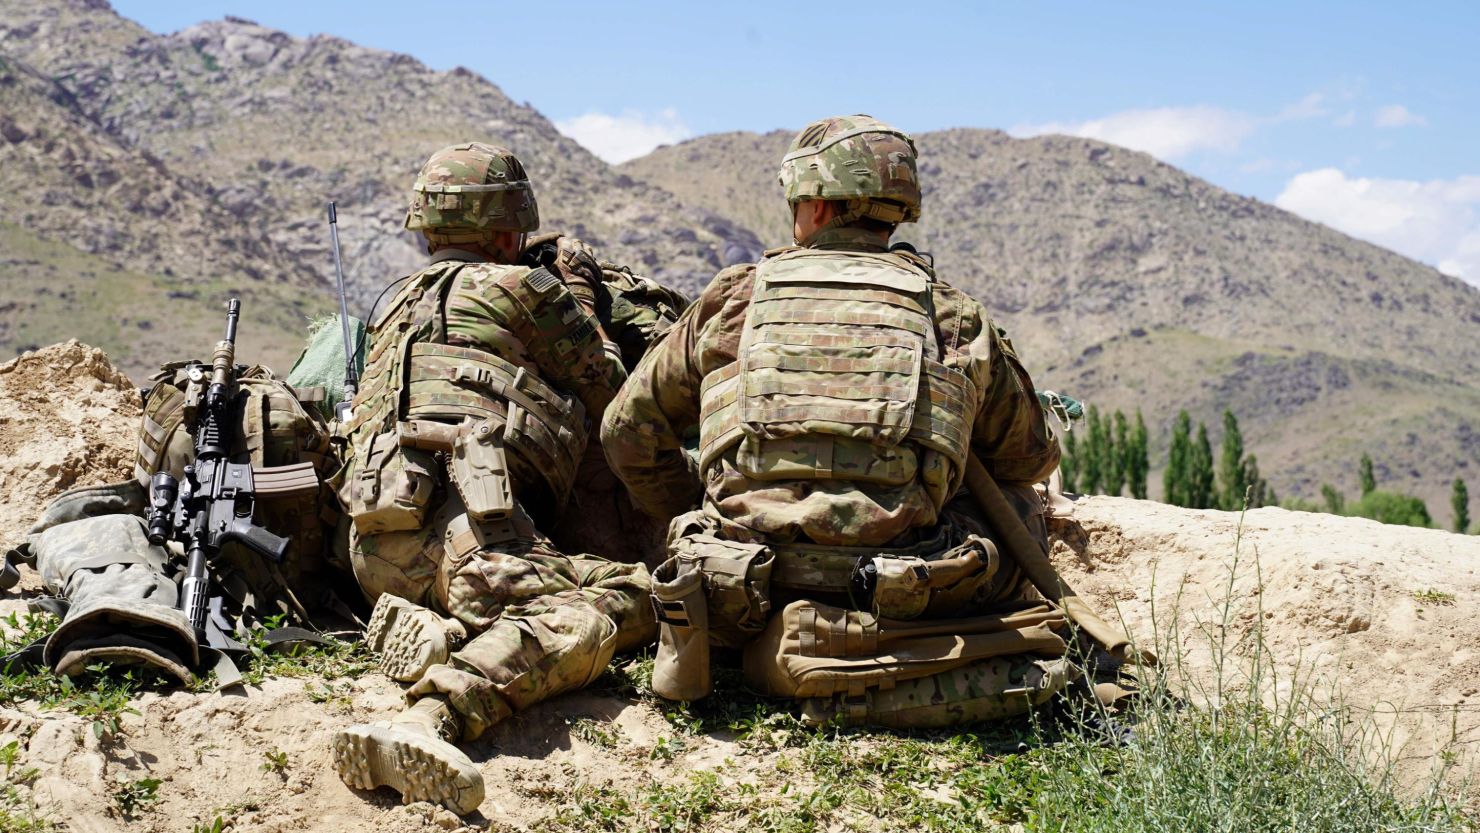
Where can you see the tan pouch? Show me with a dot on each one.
(737, 584)
(391, 492)
(909, 587)
(817, 650)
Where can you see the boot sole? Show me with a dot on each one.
(419, 767)
(399, 632)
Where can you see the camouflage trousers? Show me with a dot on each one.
(975, 646)
(540, 623)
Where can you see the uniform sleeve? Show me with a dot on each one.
(1009, 434)
(645, 426)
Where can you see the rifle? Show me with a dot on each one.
(213, 504)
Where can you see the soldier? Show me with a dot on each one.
(837, 388)
(467, 436)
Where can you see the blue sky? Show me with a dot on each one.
(1365, 116)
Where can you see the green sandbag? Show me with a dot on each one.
(321, 364)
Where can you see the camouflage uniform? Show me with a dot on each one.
(835, 389)
(468, 434)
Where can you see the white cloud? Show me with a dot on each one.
(1346, 119)
(1437, 221)
(1164, 132)
(628, 136)
(1396, 115)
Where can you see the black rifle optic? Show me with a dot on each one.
(213, 504)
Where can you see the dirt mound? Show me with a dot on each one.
(68, 420)
(1381, 616)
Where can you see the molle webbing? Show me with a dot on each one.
(541, 425)
(815, 568)
(837, 365)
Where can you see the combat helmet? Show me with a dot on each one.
(855, 158)
(467, 193)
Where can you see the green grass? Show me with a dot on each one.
(1438, 598)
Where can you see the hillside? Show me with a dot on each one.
(1133, 284)
(267, 127)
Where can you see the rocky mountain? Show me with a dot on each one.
(1133, 284)
(263, 128)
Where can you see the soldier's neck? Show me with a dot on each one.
(849, 238)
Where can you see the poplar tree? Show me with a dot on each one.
(1093, 470)
(1201, 492)
(1364, 474)
(1232, 481)
(1459, 500)
(1069, 462)
(1335, 501)
(1118, 450)
(1139, 459)
(1175, 479)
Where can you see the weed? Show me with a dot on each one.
(1438, 598)
(596, 733)
(339, 695)
(217, 825)
(666, 749)
(275, 761)
(105, 706)
(333, 661)
(134, 796)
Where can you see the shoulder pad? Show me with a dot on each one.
(779, 250)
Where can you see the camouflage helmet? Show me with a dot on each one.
(469, 192)
(855, 158)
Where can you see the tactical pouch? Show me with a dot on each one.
(817, 650)
(737, 580)
(911, 587)
(681, 668)
(391, 492)
(122, 605)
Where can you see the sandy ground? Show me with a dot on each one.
(1344, 599)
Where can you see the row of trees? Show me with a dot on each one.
(1110, 454)
(1107, 455)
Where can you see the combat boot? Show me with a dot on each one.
(681, 669)
(412, 753)
(410, 638)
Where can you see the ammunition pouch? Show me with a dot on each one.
(391, 490)
(737, 584)
(910, 587)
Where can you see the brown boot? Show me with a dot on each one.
(410, 638)
(681, 669)
(413, 755)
